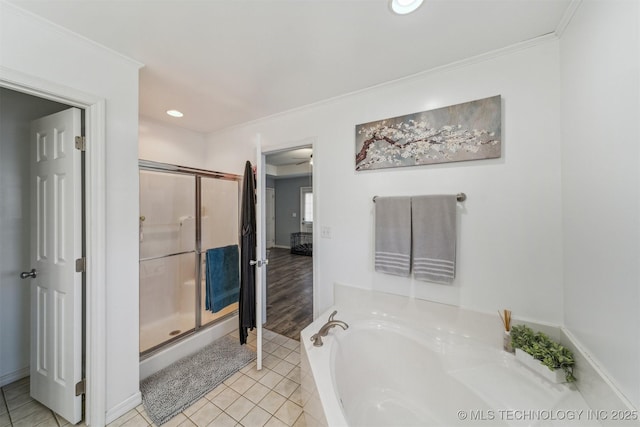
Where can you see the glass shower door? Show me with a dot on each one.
(220, 206)
(167, 255)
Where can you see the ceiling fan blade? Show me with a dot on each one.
(304, 161)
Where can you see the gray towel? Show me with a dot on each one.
(434, 238)
(393, 235)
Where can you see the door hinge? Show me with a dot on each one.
(81, 143)
(81, 387)
(81, 265)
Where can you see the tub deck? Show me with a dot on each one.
(383, 371)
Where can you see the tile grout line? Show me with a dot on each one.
(53, 414)
(271, 415)
(12, 422)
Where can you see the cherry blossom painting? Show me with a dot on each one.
(468, 131)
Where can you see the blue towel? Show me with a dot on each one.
(222, 278)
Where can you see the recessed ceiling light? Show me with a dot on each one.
(174, 113)
(403, 7)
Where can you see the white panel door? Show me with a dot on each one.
(56, 291)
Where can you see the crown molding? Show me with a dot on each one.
(507, 50)
(567, 16)
(7, 9)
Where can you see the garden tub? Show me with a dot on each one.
(403, 366)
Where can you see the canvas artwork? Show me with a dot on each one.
(468, 131)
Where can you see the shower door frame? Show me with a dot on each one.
(198, 174)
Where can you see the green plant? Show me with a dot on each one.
(541, 347)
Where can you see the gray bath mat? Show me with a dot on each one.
(168, 392)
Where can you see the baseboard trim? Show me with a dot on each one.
(281, 246)
(594, 383)
(123, 407)
(13, 376)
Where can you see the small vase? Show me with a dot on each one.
(506, 342)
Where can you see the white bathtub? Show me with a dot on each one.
(401, 366)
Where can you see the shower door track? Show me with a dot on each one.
(165, 167)
(198, 174)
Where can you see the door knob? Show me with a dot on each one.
(27, 274)
(259, 262)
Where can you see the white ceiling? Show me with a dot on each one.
(289, 163)
(226, 62)
(290, 157)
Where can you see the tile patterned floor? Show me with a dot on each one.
(250, 398)
(18, 409)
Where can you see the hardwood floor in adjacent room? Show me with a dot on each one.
(289, 292)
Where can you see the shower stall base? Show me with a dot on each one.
(155, 333)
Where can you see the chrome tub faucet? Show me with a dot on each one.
(317, 338)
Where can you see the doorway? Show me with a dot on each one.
(95, 398)
(289, 277)
(17, 111)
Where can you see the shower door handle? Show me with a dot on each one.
(259, 262)
(26, 274)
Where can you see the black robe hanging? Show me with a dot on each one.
(247, 302)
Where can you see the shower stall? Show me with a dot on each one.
(183, 213)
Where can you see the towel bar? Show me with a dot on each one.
(461, 197)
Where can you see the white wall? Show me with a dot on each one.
(170, 144)
(550, 230)
(510, 249)
(27, 45)
(600, 185)
(16, 112)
